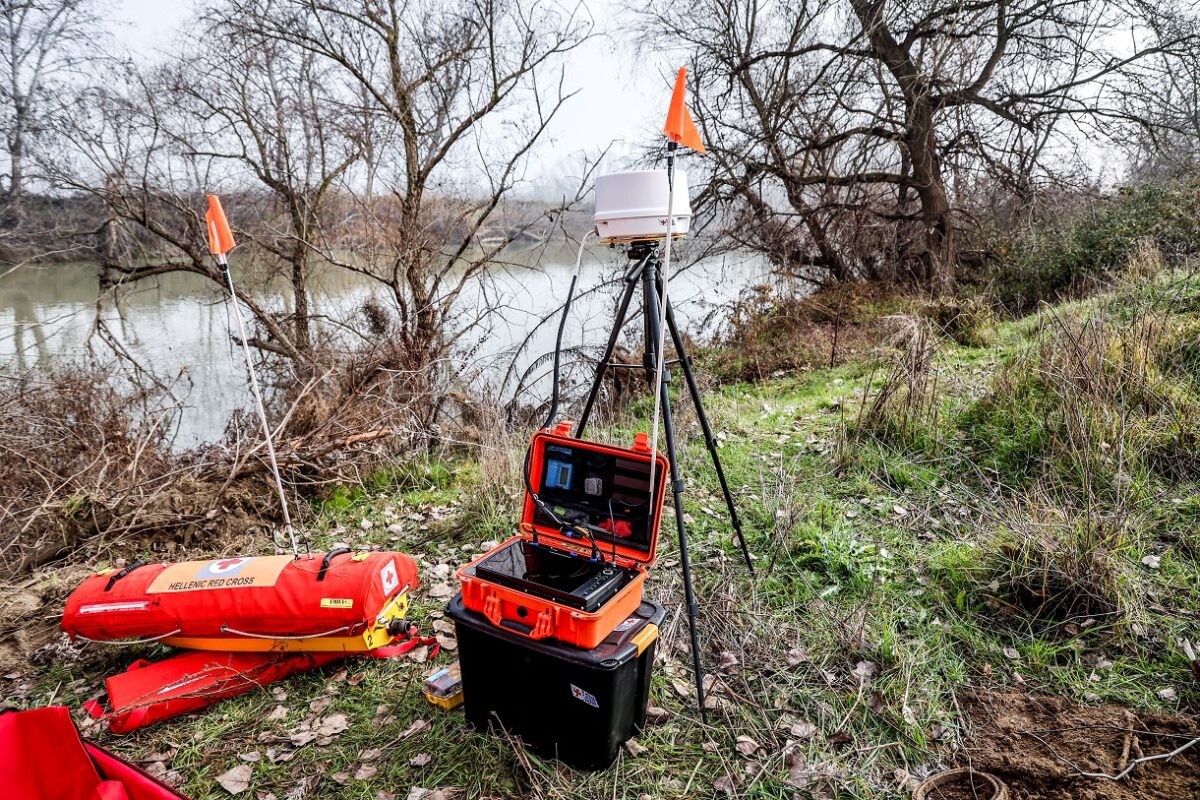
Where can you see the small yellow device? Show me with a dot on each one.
(444, 687)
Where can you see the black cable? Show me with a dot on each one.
(563, 527)
(562, 324)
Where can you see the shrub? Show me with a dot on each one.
(772, 331)
(1089, 409)
(969, 321)
(1136, 228)
(78, 454)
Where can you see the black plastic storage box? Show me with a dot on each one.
(578, 706)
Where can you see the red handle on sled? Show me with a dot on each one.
(542, 628)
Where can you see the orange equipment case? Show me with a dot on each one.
(537, 617)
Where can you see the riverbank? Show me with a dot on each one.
(177, 327)
(970, 548)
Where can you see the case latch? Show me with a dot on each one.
(544, 626)
(491, 609)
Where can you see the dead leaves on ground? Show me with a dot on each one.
(321, 725)
(236, 780)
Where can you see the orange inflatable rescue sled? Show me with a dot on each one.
(340, 602)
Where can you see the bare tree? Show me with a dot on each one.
(1169, 147)
(273, 110)
(40, 42)
(833, 122)
(131, 144)
(449, 76)
(242, 111)
(376, 140)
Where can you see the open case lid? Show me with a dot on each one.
(604, 486)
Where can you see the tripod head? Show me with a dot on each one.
(640, 250)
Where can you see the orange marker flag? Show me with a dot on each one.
(220, 238)
(679, 126)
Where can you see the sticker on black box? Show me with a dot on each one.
(587, 697)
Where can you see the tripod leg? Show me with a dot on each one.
(693, 607)
(709, 440)
(602, 365)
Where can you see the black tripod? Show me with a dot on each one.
(646, 267)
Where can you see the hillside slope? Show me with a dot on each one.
(979, 552)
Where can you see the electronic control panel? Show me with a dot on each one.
(605, 491)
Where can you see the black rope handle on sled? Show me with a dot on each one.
(337, 551)
(116, 576)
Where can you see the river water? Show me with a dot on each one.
(178, 325)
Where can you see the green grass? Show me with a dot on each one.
(901, 555)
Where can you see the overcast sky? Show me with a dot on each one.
(622, 95)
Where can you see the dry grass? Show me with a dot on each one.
(904, 406)
(771, 333)
(77, 454)
(1058, 564)
(1105, 439)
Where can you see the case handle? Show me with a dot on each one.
(122, 573)
(542, 628)
(337, 551)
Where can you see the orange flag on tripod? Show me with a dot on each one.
(220, 238)
(679, 126)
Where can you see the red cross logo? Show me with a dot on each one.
(223, 568)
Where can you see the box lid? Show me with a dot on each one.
(628, 640)
(598, 488)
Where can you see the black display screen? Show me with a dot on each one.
(605, 491)
(574, 580)
(543, 565)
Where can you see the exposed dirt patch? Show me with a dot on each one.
(29, 614)
(21, 632)
(1038, 745)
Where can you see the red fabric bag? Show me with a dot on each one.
(43, 757)
(339, 596)
(148, 692)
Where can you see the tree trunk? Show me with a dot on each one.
(16, 157)
(930, 184)
(300, 311)
(920, 140)
(834, 263)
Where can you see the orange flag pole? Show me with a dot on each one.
(679, 129)
(220, 237)
(220, 242)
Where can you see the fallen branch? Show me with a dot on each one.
(1131, 736)
(1143, 760)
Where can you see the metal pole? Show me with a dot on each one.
(223, 262)
(709, 440)
(660, 343)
